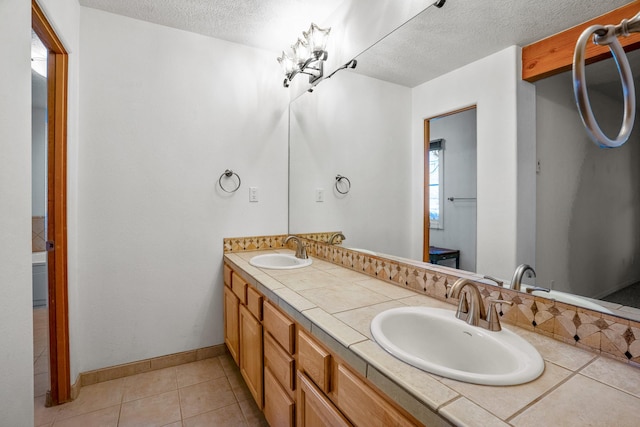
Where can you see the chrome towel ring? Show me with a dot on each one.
(229, 174)
(339, 179)
(606, 36)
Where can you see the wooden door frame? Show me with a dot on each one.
(425, 189)
(57, 84)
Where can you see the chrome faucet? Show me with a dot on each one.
(493, 279)
(301, 248)
(472, 311)
(516, 282)
(334, 236)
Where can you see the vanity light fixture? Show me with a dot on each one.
(308, 55)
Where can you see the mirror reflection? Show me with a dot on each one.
(584, 230)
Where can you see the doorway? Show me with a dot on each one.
(56, 208)
(450, 190)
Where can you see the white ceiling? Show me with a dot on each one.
(434, 43)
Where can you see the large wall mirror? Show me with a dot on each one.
(544, 194)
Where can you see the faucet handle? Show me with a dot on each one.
(493, 320)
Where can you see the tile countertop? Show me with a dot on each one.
(336, 304)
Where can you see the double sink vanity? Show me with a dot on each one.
(326, 341)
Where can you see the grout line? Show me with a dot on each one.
(546, 393)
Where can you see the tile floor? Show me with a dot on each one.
(209, 392)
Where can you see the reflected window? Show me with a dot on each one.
(436, 184)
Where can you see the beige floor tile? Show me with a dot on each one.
(253, 415)
(228, 416)
(41, 366)
(239, 387)
(227, 363)
(40, 384)
(149, 384)
(107, 417)
(204, 397)
(43, 416)
(198, 372)
(158, 410)
(94, 397)
(176, 424)
(581, 402)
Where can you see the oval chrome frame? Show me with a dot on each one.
(582, 97)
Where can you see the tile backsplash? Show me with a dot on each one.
(38, 236)
(606, 334)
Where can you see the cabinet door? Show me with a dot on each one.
(314, 408)
(231, 324)
(278, 406)
(363, 405)
(251, 353)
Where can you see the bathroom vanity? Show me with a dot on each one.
(302, 341)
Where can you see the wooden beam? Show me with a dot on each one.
(554, 54)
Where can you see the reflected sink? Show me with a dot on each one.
(569, 299)
(279, 261)
(435, 341)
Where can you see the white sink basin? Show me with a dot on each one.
(570, 299)
(436, 341)
(279, 261)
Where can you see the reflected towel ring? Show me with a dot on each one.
(229, 173)
(339, 179)
(605, 36)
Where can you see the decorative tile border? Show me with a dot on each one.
(606, 334)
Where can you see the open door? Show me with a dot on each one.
(57, 76)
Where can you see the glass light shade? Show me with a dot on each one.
(287, 63)
(316, 38)
(301, 52)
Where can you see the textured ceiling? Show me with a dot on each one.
(435, 42)
(266, 24)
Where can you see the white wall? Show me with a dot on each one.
(492, 84)
(163, 113)
(588, 213)
(459, 164)
(16, 321)
(358, 127)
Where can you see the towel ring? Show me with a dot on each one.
(339, 179)
(605, 36)
(229, 173)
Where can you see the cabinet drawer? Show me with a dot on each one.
(278, 406)
(363, 405)
(314, 409)
(254, 302)
(279, 361)
(227, 275)
(279, 326)
(239, 287)
(314, 361)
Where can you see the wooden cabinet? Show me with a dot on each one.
(293, 378)
(314, 361)
(231, 323)
(251, 353)
(363, 405)
(314, 408)
(279, 406)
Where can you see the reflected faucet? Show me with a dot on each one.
(473, 311)
(301, 248)
(516, 282)
(334, 236)
(493, 279)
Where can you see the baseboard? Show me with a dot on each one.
(147, 365)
